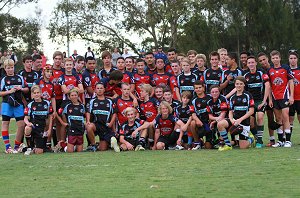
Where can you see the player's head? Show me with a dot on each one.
(165, 108)
(293, 58)
(215, 91)
(130, 113)
(149, 58)
(172, 54)
(79, 63)
(125, 88)
(214, 58)
(199, 87)
(243, 57)
(146, 89)
(140, 65)
(239, 83)
(186, 97)
(27, 62)
(47, 71)
(223, 54)
(116, 76)
(100, 89)
(263, 59)
(129, 63)
(167, 95)
(9, 67)
(120, 63)
(185, 65)
(201, 60)
(275, 57)
(191, 54)
(90, 63)
(69, 64)
(35, 92)
(160, 63)
(158, 92)
(175, 66)
(73, 95)
(58, 58)
(251, 62)
(232, 59)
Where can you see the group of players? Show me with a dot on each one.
(157, 102)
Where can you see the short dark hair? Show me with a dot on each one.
(240, 78)
(199, 82)
(116, 75)
(36, 57)
(106, 54)
(244, 52)
(252, 57)
(120, 58)
(149, 53)
(293, 53)
(172, 50)
(158, 59)
(234, 56)
(130, 57)
(215, 86)
(214, 53)
(79, 58)
(27, 57)
(89, 58)
(139, 60)
(261, 54)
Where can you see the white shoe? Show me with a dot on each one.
(287, 144)
(114, 144)
(278, 144)
(28, 152)
(179, 147)
(139, 148)
(196, 147)
(21, 147)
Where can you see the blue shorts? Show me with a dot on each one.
(12, 112)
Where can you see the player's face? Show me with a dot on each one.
(38, 63)
(160, 64)
(180, 58)
(74, 97)
(69, 66)
(263, 60)
(275, 60)
(47, 73)
(185, 66)
(215, 93)
(106, 60)
(168, 96)
(10, 69)
(229, 61)
(149, 59)
(185, 100)
(199, 89)
(192, 58)
(143, 93)
(243, 59)
(36, 94)
(239, 85)
(57, 61)
(128, 63)
(200, 62)
(121, 64)
(175, 67)
(223, 55)
(251, 63)
(293, 60)
(158, 93)
(214, 61)
(140, 66)
(164, 110)
(130, 116)
(100, 90)
(91, 65)
(171, 56)
(79, 65)
(28, 64)
(125, 90)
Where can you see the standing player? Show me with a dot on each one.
(37, 65)
(243, 60)
(107, 65)
(129, 64)
(201, 60)
(141, 77)
(176, 69)
(282, 84)
(223, 58)
(150, 63)
(186, 79)
(167, 96)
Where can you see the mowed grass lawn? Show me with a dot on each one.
(266, 172)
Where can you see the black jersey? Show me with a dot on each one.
(75, 118)
(186, 82)
(9, 82)
(200, 105)
(198, 73)
(127, 130)
(234, 74)
(30, 78)
(175, 104)
(38, 112)
(104, 73)
(215, 107)
(212, 77)
(184, 113)
(102, 110)
(256, 84)
(240, 105)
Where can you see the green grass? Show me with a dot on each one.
(263, 172)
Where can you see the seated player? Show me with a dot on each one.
(241, 108)
(168, 97)
(37, 115)
(73, 117)
(102, 112)
(130, 137)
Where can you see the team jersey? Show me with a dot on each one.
(296, 74)
(70, 81)
(40, 74)
(54, 80)
(104, 73)
(212, 77)
(47, 89)
(240, 105)
(175, 104)
(234, 73)
(279, 78)
(215, 107)
(166, 126)
(102, 110)
(198, 73)
(168, 68)
(120, 105)
(75, 118)
(38, 112)
(161, 79)
(9, 82)
(173, 86)
(127, 78)
(150, 71)
(127, 130)
(186, 82)
(184, 113)
(200, 105)
(90, 79)
(140, 79)
(29, 77)
(256, 84)
(109, 88)
(149, 109)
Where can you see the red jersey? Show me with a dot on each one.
(120, 105)
(161, 79)
(296, 74)
(149, 109)
(141, 79)
(70, 81)
(168, 69)
(47, 89)
(90, 79)
(279, 78)
(54, 80)
(127, 78)
(166, 126)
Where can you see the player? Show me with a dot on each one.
(140, 77)
(186, 79)
(107, 65)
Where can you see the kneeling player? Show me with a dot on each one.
(101, 108)
(130, 137)
(36, 116)
(241, 108)
(73, 116)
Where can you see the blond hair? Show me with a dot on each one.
(129, 109)
(8, 62)
(166, 104)
(201, 56)
(186, 60)
(35, 87)
(147, 88)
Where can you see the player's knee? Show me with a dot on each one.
(38, 151)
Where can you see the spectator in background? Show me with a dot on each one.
(44, 58)
(115, 55)
(1, 65)
(74, 55)
(65, 54)
(89, 53)
(12, 56)
(161, 55)
(126, 53)
(2, 59)
(35, 52)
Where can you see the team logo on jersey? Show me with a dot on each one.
(70, 110)
(87, 79)
(296, 82)
(45, 95)
(34, 108)
(244, 100)
(272, 73)
(41, 85)
(137, 78)
(121, 104)
(70, 86)
(95, 104)
(193, 80)
(45, 106)
(208, 74)
(12, 78)
(257, 77)
(101, 103)
(8, 82)
(107, 105)
(76, 108)
(277, 81)
(81, 110)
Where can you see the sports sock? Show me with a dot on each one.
(142, 141)
(5, 137)
(225, 137)
(29, 142)
(280, 134)
(291, 128)
(288, 134)
(260, 132)
(17, 144)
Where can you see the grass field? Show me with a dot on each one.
(266, 172)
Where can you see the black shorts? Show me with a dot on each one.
(262, 109)
(280, 104)
(7, 118)
(104, 132)
(132, 141)
(241, 136)
(37, 135)
(295, 108)
(58, 104)
(169, 140)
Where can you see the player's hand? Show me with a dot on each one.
(199, 123)
(18, 87)
(12, 90)
(65, 124)
(211, 125)
(134, 133)
(88, 123)
(135, 103)
(271, 104)
(291, 100)
(229, 77)
(179, 141)
(237, 122)
(260, 106)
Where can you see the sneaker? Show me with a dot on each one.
(259, 145)
(179, 147)
(28, 152)
(114, 144)
(139, 148)
(21, 148)
(196, 147)
(253, 144)
(9, 150)
(225, 148)
(278, 144)
(92, 148)
(57, 148)
(287, 144)
(172, 148)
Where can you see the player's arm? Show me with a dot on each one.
(177, 93)
(90, 90)
(231, 93)
(27, 122)
(197, 120)
(266, 94)
(80, 88)
(247, 115)
(112, 120)
(53, 104)
(4, 93)
(88, 118)
(291, 84)
(156, 136)
(135, 102)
